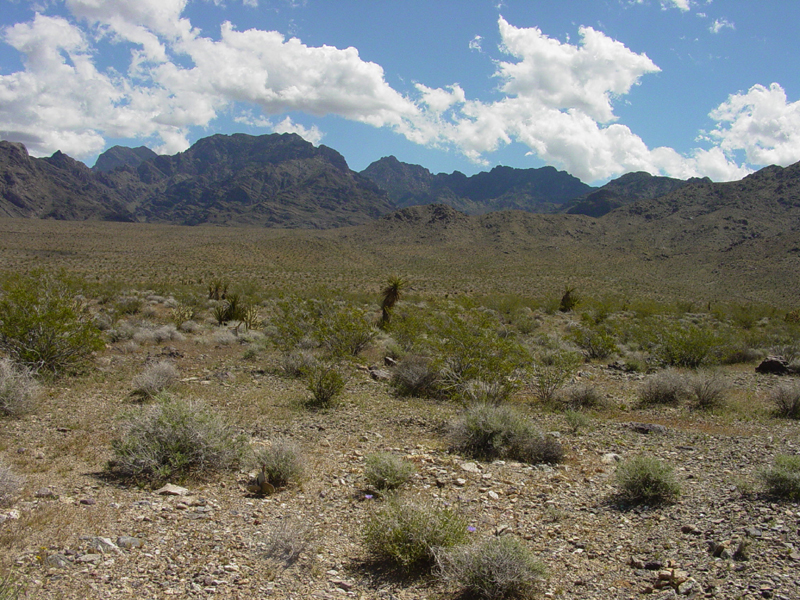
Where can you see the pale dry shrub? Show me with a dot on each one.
(190, 326)
(298, 362)
(416, 376)
(497, 568)
(156, 378)
(18, 388)
(176, 438)
(386, 471)
(550, 372)
(786, 400)
(145, 337)
(224, 337)
(10, 485)
(129, 347)
(286, 541)
(582, 397)
(709, 390)
(281, 461)
(167, 333)
(666, 387)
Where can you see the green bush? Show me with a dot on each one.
(786, 399)
(551, 371)
(680, 343)
(385, 471)
(18, 389)
(500, 567)
(645, 480)
(487, 432)
(576, 420)
(408, 535)
(325, 382)
(596, 342)
(281, 462)
(345, 331)
(174, 439)
(783, 479)
(44, 324)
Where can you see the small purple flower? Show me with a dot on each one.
(471, 529)
(368, 496)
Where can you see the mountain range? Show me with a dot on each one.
(280, 180)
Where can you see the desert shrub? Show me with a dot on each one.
(232, 308)
(488, 431)
(156, 378)
(10, 485)
(190, 326)
(128, 305)
(286, 540)
(786, 400)
(595, 342)
(497, 568)
(325, 382)
(569, 300)
(18, 389)
(550, 372)
(464, 345)
(666, 387)
(417, 376)
(224, 337)
(477, 391)
(582, 397)
(297, 362)
(782, 480)
(385, 471)
(44, 324)
(646, 480)
(408, 535)
(680, 343)
(345, 331)
(167, 333)
(176, 438)
(708, 390)
(281, 462)
(576, 420)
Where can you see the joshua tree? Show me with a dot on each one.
(391, 295)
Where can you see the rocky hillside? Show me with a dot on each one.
(502, 188)
(272, 180)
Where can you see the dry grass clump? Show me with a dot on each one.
(286, 541)
(786, 400)
(297, 362)
(582, 397)
(487, 431)
(709, 391)
(224, 337)
(551, 371)
(416, 376)
(782, 480)
(176, 438)
(156, 378)
(408, 534)
(281, 462)
(666, 387)
(385, 471)
(10, 485)
(646, 480)
(497, 568)
(18, 389)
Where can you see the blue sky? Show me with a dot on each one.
(596, 87)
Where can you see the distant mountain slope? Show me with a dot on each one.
(272, 180)
(121, 156)
(621, 191)
(502, 188)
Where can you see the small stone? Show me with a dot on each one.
(678, 577)
(493, 495)
(754, 532)
(470, 467)
(461, 481)
(636, 563)
(59, 561)
(380, 374)
(653, 565)
(692, 529)
(45, 493)
(103, 545)
(172, 490)
(687, 587)
(794, 555)
(88, 501)
(128, 542)
(90, 558)
(610, 458)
